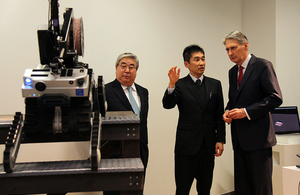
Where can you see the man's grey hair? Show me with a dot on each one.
(236, 35)
(128, 55)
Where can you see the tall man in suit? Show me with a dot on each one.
(253, 92)
(117, 97)
(201, 130)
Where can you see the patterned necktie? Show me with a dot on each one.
(133, 102)
(240, 74)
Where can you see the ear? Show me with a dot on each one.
(186, 64)
(246, 46)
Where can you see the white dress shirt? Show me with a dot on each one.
(134, 93)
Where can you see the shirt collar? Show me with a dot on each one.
(195, 78)
(132, 86)
(245, 63)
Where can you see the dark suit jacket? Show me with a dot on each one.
(259, 93)
(117, 101)
(198, 121)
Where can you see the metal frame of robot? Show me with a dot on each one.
(74, 176)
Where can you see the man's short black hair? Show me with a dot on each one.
(189, 50)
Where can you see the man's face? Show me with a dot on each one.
(237, 52)
(196, 64)
(126, 71)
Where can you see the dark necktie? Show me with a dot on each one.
(240, 74)
(198, 82)
(200, 93)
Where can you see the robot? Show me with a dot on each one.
(62, 100)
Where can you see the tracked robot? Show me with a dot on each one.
(63, 101)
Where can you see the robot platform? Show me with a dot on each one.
(126, 174)
(58, 177)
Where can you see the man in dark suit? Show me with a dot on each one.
(117, 97)
(201, 130)
(253, 92)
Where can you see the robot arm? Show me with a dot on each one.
(60, 45)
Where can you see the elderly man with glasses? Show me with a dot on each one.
(118, 94)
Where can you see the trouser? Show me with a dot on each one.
(253, 172)
(190, 167)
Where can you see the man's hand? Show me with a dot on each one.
(226, 118)
(237, 113)
(174, 76)
(219, 149)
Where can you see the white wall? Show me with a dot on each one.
(287, 50)
(259, 25)
(157, 31)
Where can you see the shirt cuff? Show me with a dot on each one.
(247, 114)
(171, 90)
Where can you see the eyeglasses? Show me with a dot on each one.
(123, 67)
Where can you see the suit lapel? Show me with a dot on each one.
(192, 88)
(118, 90)
(142, 97)
(234, 76)
(247, 73)
(190, 85)
(208, 90)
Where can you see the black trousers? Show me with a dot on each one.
(190, 167)
(253, 172)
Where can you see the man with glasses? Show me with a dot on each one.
(118, 94)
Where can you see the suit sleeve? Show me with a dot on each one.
(169, 100)
(229, 104)
(271, 91)
(220, 111)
